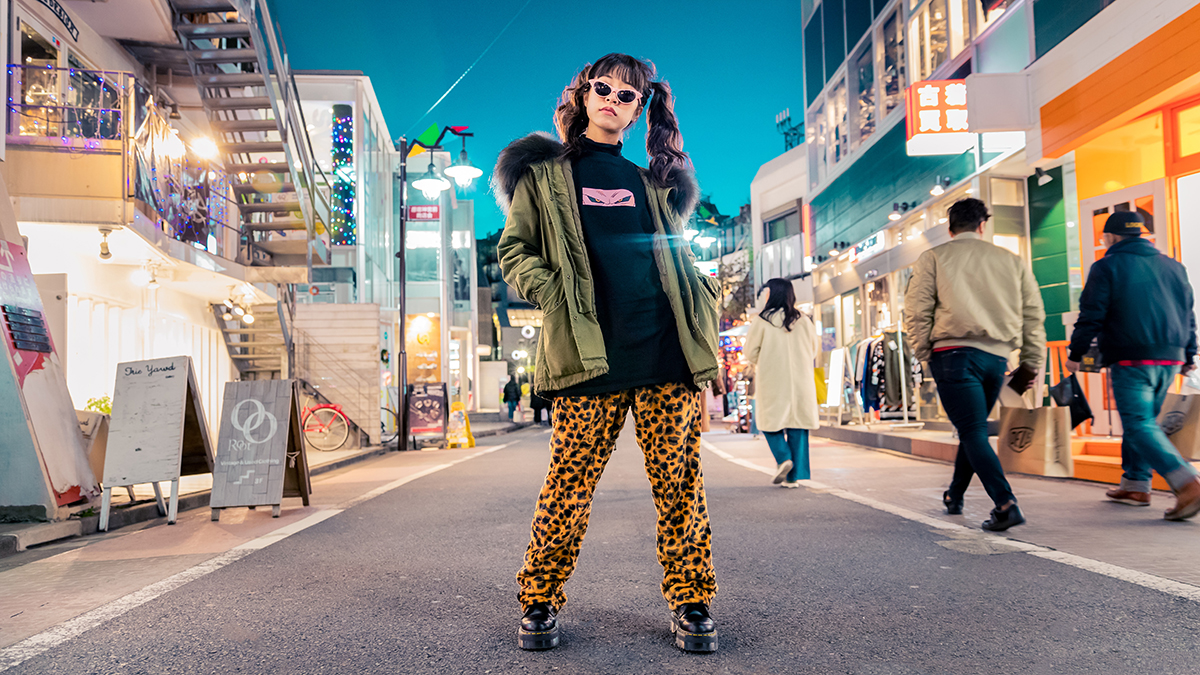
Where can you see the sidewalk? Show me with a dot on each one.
(193, 494)
(1068, 515)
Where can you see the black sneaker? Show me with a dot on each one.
(693, 628)
(539, 627)
(953, 506)
(1001, 520)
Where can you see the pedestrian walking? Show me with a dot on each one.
(1138, 302)
(538, 405)
(628, 322)
(969, 305)
(512, 396)
(783, 346)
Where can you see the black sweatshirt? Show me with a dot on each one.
(640, 337)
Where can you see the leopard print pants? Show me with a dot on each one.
(667, 419)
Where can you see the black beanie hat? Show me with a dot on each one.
(1125, 222)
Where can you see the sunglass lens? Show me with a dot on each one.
(626, 96)
(601, 89)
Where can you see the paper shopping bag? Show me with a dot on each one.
(1180, 419)
(1036, 441)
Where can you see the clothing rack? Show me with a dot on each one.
(903, 380)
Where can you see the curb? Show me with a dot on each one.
(44, 533)
(515, 426)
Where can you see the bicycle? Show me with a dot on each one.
(325, 426)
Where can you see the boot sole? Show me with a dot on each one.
(537, 641)
(1006, 526)
(693, 642)
(1128, 502)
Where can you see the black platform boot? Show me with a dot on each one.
(953, 506)
(539, 627)
(693, 628)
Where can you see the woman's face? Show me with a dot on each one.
(609, 113)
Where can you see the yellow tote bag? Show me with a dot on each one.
(822, 391)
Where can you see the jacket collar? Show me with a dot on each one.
(522, 154)
(968, 235)
(1136, 246)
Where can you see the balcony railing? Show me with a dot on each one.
(78, 108)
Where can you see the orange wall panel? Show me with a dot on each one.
(1165, 59)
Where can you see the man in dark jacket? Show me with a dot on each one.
(1138, 302)
(512, 395)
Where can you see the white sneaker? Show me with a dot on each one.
(790, 484)
(781, 471)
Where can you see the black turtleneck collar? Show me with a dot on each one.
(592, 146)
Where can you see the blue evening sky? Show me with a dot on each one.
(732, 66)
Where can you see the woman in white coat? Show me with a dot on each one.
(783, 346)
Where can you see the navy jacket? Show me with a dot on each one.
(1139, 302)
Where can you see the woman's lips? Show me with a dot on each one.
(608, 110)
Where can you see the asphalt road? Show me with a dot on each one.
(421, 580)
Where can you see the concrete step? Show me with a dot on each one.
(270, 207)
(273, 167)
(246, 147)
(243, 126)
(264, 188)
(221, 80)
(276, 225)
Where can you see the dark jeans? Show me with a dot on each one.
(1139, 392)
(791, 444)
(968, 382)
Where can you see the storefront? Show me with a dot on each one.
(859, 296)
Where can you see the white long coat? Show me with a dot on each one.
(784, 383)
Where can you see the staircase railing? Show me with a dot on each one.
(321, 371)
(285, 102)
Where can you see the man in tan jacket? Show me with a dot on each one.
(969, 305)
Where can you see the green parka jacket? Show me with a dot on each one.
(543, 257)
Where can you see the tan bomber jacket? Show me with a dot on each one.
(972, 293)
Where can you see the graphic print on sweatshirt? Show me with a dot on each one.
(596, 197)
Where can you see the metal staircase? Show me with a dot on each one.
(259, 350)
(251, 100)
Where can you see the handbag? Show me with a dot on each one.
(1068, 394)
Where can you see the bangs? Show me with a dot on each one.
(625, 68)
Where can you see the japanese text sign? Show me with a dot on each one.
(424, 212)
(937, 108)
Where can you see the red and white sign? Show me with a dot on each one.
(424, 212)
(936, 119)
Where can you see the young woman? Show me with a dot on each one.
(595, 241)
(783, 346)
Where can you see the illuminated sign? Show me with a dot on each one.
(936, 119)
(868, 247)
(424, 212)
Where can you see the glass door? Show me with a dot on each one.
(1148, 199)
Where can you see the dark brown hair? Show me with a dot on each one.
(781, 297)
(966, 215)
(664, 143)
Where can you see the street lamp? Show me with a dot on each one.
(430, 183)
(462, 171)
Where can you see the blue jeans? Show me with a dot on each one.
(794, 448)
(1139, 392)
(512, 408)
(968, 382)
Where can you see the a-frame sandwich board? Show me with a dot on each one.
(157, 432)
(260, 453)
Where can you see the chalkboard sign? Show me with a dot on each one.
(157, 432)
(427, 409)
(260, 454)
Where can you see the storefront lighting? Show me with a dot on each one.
(248, 319)
(153, 283)
(227, 316)
(105, 254)
(228, 303)
(1042, 176)
(939, 188)
(833, 252)
(1070, 223)
(521, 370)
(238, 311)
(894, 215)
(140, 277)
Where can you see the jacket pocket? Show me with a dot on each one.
(711, 285)
(552, 294)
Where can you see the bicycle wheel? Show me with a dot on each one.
(326, 429)
(385, 435)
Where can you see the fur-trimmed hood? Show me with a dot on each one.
(539, 147)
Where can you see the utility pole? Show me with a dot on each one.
(402, 274)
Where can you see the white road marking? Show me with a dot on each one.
(15, 655)
(1169, 586)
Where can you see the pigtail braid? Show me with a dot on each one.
(664, 143)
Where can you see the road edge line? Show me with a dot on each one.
(35, 645)
(1145, 580)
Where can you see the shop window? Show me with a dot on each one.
(929, 47)
(837, 124)
(781, 227)
(863, 72)
(858, 20)
(38, 113)
(879, 306)
(1188, 129)
(815, 136)
(890, 53)
(1121, 158)
(827, 326)
(1006, 49)
(814, 69)
(987, 12)
(835, 36)
(851, 319)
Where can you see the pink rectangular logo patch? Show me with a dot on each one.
(594, 197)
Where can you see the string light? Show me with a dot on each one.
(342, 228)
